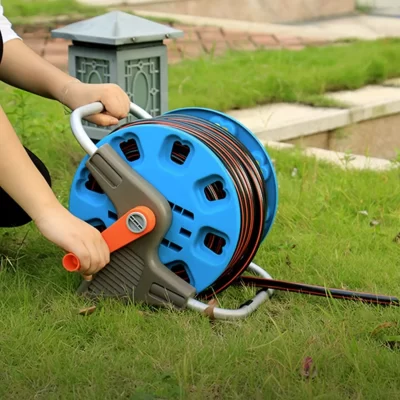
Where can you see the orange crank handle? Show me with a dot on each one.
(134, 224)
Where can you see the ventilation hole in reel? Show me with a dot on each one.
(215, 191)
(179, 153)
(185, 232)
(180, 210)
(188, 214)
(92, 185)
(112, 215)
(175, 247)
(179, 269)
(171, 245)
(214, 242)
(130, 150)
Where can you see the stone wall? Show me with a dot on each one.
(374, 138)
(270, 11)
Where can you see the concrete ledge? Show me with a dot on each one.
(368, 126)
(340, 159)
(279, 122)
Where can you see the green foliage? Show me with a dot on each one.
(30, 8)
(246, 79)
(26, 12)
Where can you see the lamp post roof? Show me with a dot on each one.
(116, 28)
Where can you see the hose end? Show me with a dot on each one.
(71, 262)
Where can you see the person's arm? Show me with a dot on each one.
(21, 67)
(20, 178)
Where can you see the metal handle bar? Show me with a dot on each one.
(91, 109)
(243, 312)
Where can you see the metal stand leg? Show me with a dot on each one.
(240, 313)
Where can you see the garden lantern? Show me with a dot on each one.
(124, 49)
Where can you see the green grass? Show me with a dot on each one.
(363, 8)
(245, 79)
(48, 351)
(29, 12)
(19, 9)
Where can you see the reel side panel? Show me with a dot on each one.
(204, 233)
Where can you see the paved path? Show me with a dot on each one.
(383, 21)
(197, 41)
(364, 27)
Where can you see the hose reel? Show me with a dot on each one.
(212, 190)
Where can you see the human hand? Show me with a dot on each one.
(115, 101)
(73, 235)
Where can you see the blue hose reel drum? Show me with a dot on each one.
(196, 221)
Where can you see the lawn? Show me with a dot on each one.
(245, 79)
(28, 12)
(48, 351)
(29, 8)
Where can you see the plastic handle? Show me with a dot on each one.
(117, 235)
(91, 109)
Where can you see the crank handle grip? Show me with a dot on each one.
(71, 262)
(134, 224)
(91, 109)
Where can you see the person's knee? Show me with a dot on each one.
(11, 214)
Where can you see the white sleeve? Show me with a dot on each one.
(6, 28)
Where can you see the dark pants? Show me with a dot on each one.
(11, 214)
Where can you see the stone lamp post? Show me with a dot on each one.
(121, 48)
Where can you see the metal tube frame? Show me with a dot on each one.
(91, 109)
(242, 312)
(193, 304)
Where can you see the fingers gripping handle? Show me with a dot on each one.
(91, 109)
(131, 226)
